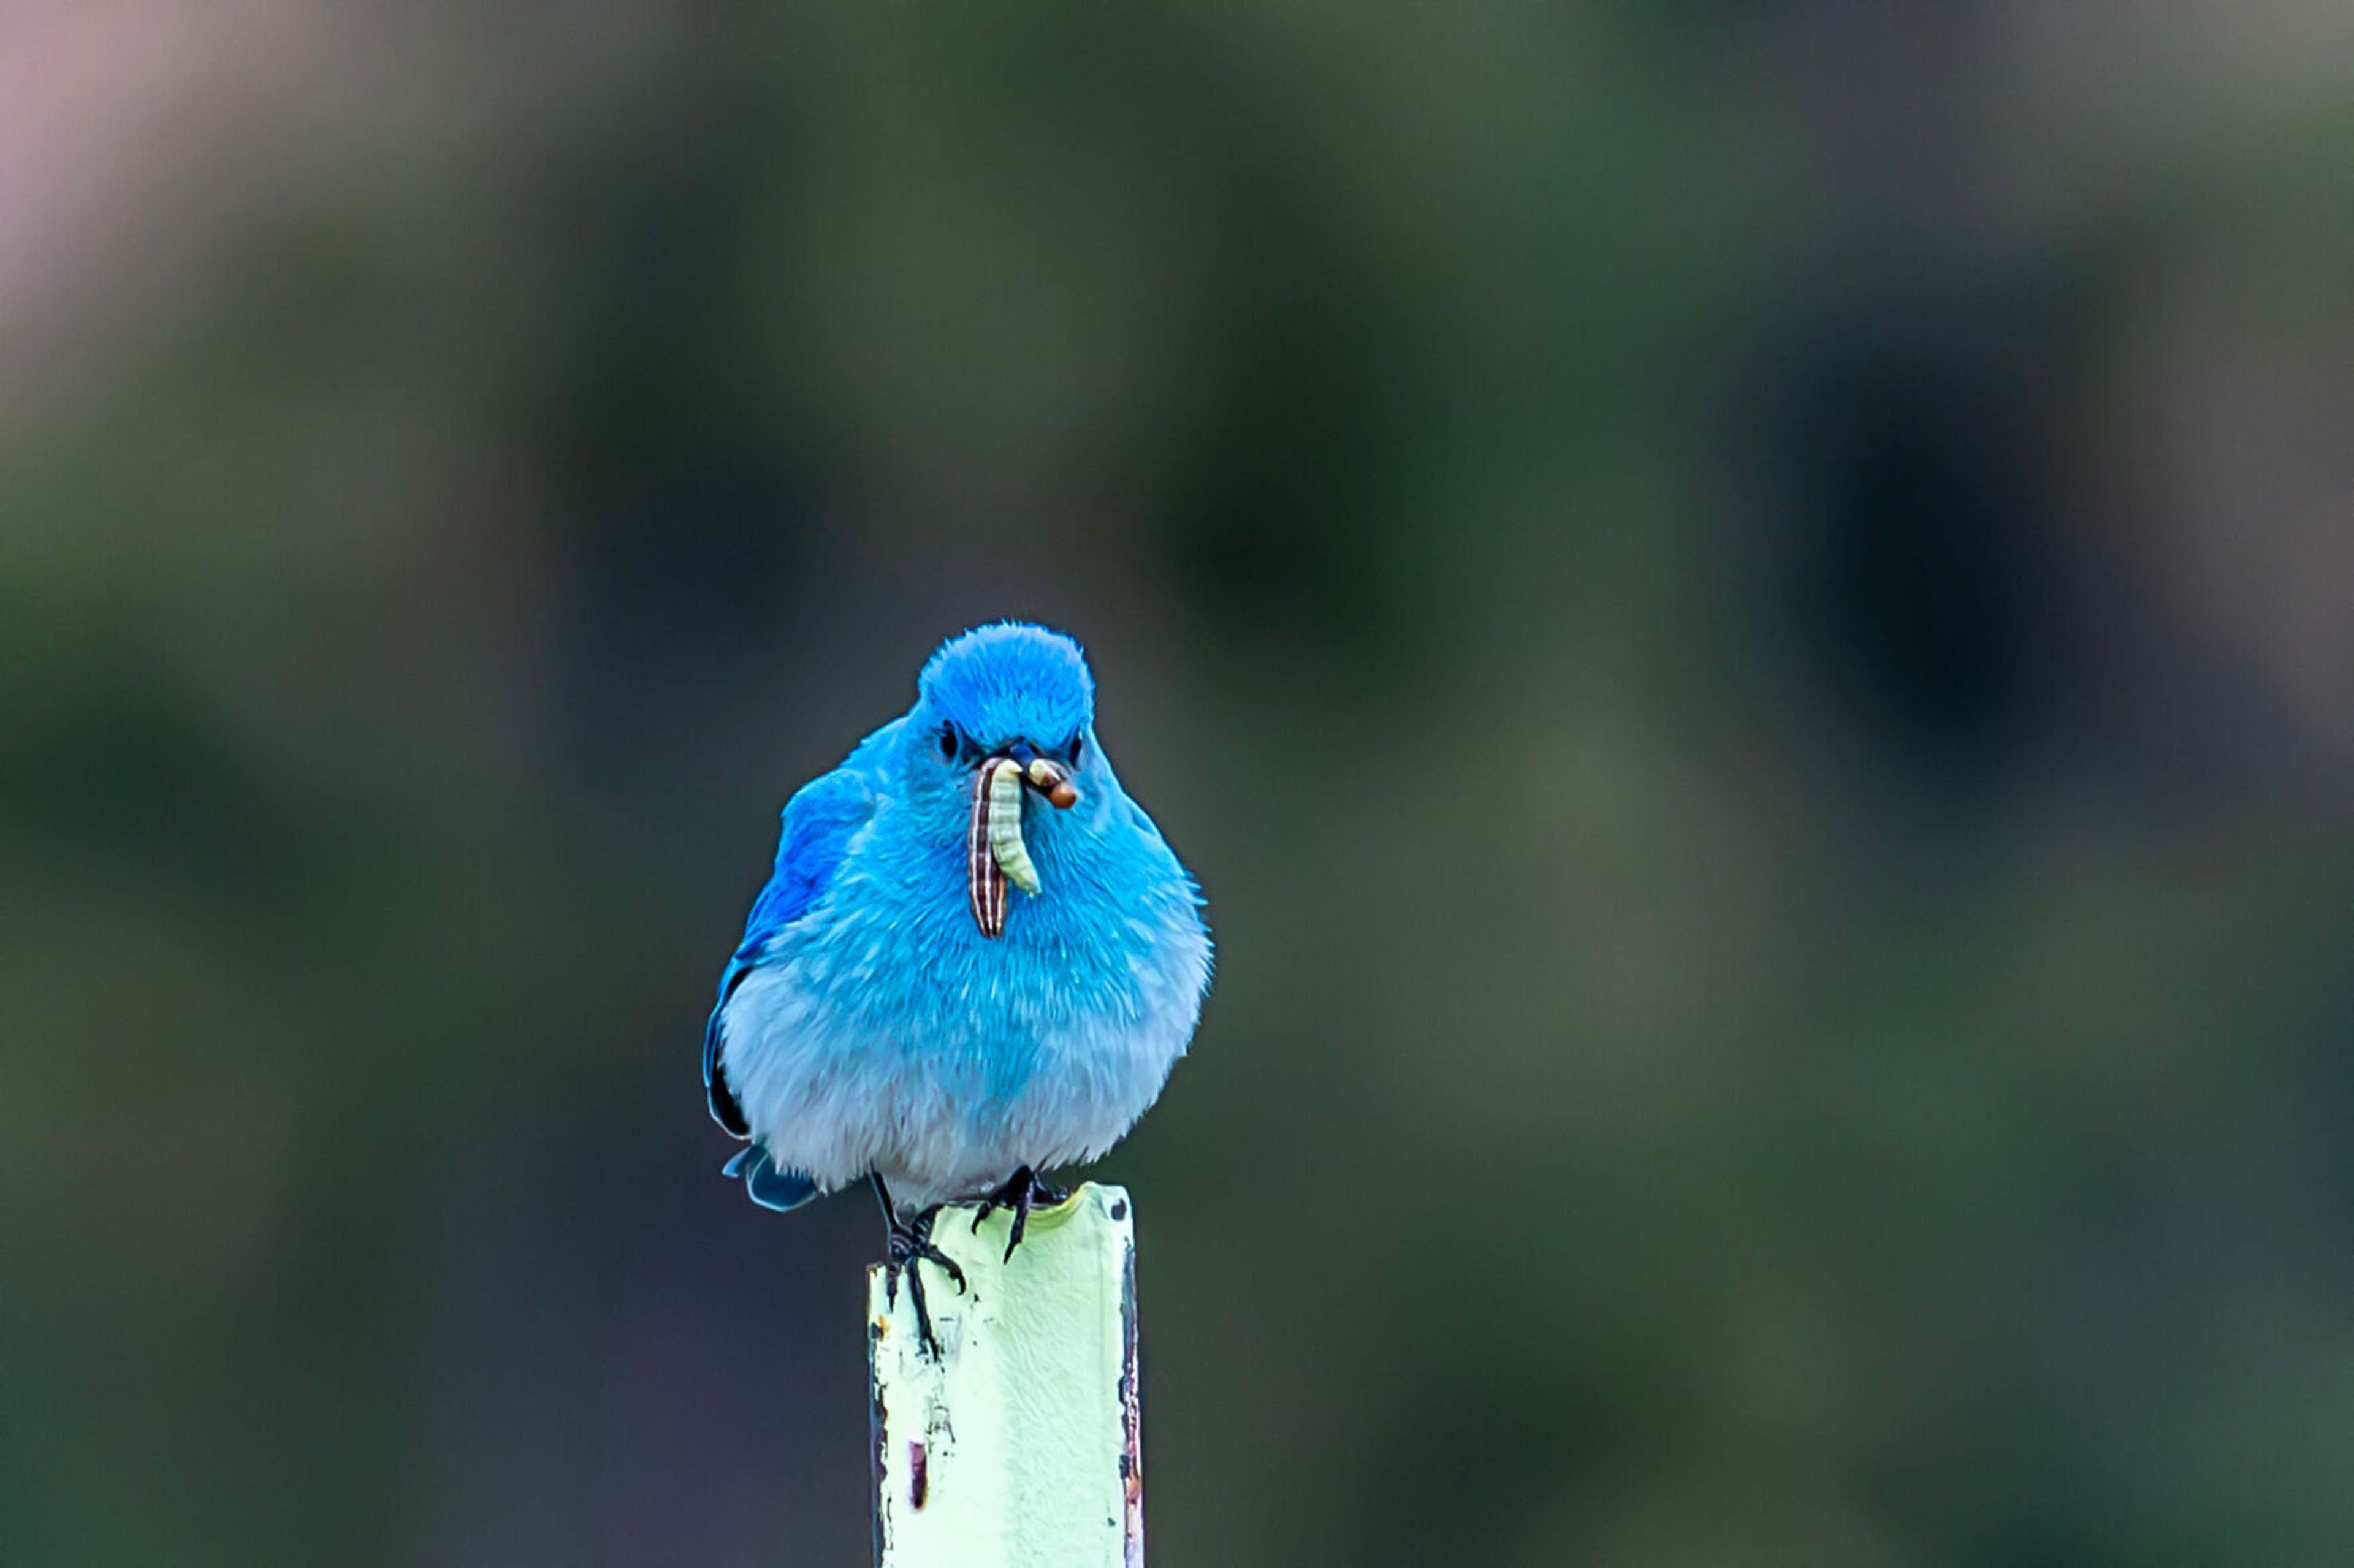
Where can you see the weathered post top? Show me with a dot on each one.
(1017, 1448)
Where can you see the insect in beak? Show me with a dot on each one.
(1053, 780)
(994, 853)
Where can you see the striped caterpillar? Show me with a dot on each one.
(994, 853)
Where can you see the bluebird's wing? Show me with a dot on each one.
(819, 823)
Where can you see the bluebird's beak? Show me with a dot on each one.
(994, 853)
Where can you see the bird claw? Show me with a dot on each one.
(909, 1245)
(1022, 1192)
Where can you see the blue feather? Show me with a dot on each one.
(783, 1190)
(818, 822)
(865, 1026)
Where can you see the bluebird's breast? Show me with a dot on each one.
(885, 1032)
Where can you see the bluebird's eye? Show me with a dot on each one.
(947, 743)
(1078, 743)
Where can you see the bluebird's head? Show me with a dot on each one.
(1009, 707)
(1008, 684)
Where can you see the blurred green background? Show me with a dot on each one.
(1745, 611)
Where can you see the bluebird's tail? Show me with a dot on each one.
(768, 1186)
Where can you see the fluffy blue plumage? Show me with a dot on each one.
(866, 1026)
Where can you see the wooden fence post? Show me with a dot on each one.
(1017, 1448)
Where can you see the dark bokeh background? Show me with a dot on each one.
(1746, 612)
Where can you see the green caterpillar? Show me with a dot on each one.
(1005, 809)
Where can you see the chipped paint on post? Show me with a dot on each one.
(1019, 1447)
(1131, 1407)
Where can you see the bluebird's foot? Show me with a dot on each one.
(910, 1245)
(1022, 1192)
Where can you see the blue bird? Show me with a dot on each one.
(895, 1016)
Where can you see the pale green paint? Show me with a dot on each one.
(1024, 1419)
